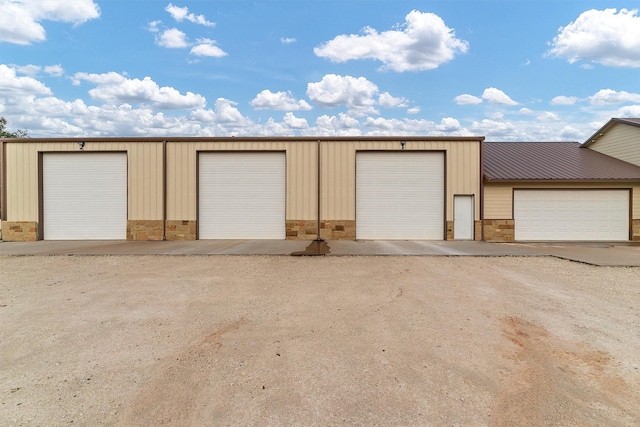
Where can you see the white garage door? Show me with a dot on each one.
(242, 195)
(571, 215)
(400, 195)
(84, 196)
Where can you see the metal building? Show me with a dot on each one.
(241, 188)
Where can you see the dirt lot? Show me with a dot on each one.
(215, 340)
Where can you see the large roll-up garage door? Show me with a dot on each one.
(84, 196)
(587, 215)
(242, 195)
(400, 195)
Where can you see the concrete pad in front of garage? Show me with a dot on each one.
(623, 254)
(602, 254)
(423, 247)
(263, 247)
(192, 247)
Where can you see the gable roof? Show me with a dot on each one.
(600, 132)
(552, 161)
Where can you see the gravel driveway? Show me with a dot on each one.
(234, 340)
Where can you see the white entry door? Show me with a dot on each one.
(84, 196)
(463, 221)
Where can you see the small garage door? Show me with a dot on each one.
(571, 215)
(84, 196)
(400, 195)
(242, 195)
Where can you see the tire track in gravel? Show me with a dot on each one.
(171, 395)
(556, 382)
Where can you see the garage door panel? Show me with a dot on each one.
(242, 195)
(400, 195)
(85, 196)
(571, 215)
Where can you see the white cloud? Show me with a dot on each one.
(20, 20)
(449, 125)
(381, 126)
(54, 70)
(413, 110)
(182, 13)
(423, 42)
(13, 86)
(341, 125)
(607, 37)
(496, 96)
(29, 70)
(609, 96)
(287, 40)
(357, 94)
(628, 111)
(154, 26)
(129, 106)
(267, 100)
(569, 132)
(227, 113)
(387, 101)
(467, 99)
(548, 116)
(564, 100)
(34, 70)
(114, 88)
(207, 47)
(172, 38)
(293, 122)
(495, 128)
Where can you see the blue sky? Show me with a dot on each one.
(514, 70)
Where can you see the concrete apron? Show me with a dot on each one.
(603, 254)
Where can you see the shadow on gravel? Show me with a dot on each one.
(315, 248)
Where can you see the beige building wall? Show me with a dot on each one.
(146, 182)
(498, 222)
(337, 179)
(301, 173)
(498, 198)
(339, 171)
(144, 162)
(621, 141)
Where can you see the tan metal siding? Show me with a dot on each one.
(145, 165)
(145, 181)
(338, 172)
(497, 201)
(22, 183)
(620, 141)
(301, 174)
(498, 198)
(144, 176)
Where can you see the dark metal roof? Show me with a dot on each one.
(552, 161)
(609, 124)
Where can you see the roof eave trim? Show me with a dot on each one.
(549, 181)
(248, 138)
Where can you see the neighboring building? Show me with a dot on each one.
(393, 188)
(242, 188)
(619, 138)
(545, 191)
